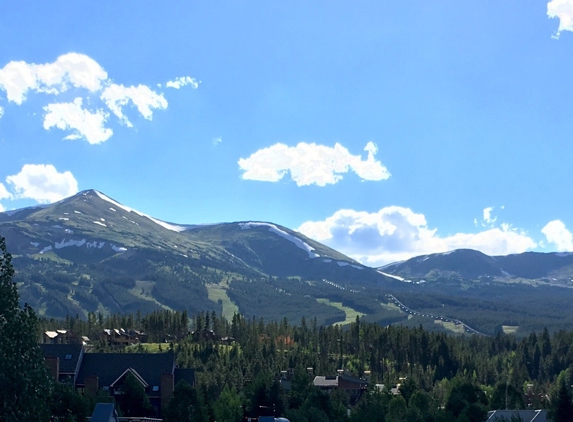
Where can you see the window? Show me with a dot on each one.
(68, 357)
(155, 388)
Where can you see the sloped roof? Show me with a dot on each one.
(134, 373)
(325, 382)
(185, 374)
(104, 412)
(525, 415)
(109, 366)
(355, 380)
(62, 351)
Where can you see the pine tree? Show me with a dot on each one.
(562, 407)
(25, 386)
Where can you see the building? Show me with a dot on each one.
(517, 415)
(63, 337)
(118, 337)
(354, 387)
(63, 361)
(92, 373)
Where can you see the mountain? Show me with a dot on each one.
(91, 253)
(533, 267)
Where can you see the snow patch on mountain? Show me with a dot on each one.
(100, 223)
(395, 277)
(46, 249)
(71, 242)
(163, 224)
(95, 244)
(118, 248)
(345, 264)
(272, 228)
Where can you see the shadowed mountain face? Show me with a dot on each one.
(91, 253)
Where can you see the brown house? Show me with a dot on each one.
(115, 337)
(353, 386)
(63, 337)
(95, 372)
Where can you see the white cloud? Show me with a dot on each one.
(4, 194)
(396, 233)
(217, 140)
(562, 9)
(310, 164)
(43, 183)
(182, 81)
(1, 112)
(83, 75)
(487, 215)
(72, 69)
(555, 232)
(84, 123)
(117, 96)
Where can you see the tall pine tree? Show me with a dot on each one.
(25, 386)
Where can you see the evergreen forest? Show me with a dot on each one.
(246, 367)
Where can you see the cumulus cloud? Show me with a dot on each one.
(555, 232)
(43, 183)
(397, 233)
(310, 164)
(182, 81)
(83, 123)
(144, 99)
(4, 194)
(563, 10)
(89, 81)
(1, 112)
(70, 70)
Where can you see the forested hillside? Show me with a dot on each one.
(451, 375)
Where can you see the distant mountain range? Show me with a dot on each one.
(553, 268)
(90, 253)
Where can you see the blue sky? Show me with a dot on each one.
(383, 129)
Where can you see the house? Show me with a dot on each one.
(92, 373)
(514, 415)
(63, 361)
(63, 337)
(353, 386)
(118, 337)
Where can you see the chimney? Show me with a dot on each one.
(167, 387)
(91, 385)
(53, 364)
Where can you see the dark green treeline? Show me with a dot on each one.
(443, 377)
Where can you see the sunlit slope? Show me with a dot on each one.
(91, 253)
